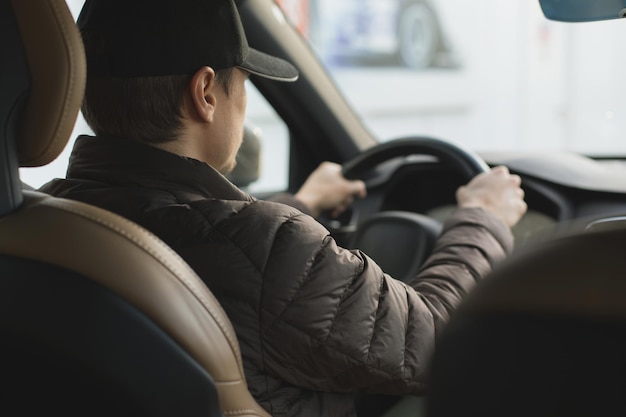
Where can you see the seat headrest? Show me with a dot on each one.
(55, 57)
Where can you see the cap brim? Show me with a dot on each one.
(268, 66)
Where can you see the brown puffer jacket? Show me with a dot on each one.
(316, 322)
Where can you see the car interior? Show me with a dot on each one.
(565, 191)
(544, 334)
(100, 317)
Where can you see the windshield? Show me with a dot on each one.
(492, 75)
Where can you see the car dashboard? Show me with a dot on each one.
(557, 203)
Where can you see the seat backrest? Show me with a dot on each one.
(544, 335)
(97, 315)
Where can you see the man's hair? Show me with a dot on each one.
(147, 109)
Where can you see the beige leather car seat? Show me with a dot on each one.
(97, 315)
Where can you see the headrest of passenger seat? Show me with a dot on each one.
(55, 57)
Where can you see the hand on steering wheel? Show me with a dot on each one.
(400, 241)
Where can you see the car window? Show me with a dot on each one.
(492, 75)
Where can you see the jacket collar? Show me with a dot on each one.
(119, 161)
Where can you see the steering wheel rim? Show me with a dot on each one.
(468, 162)
(413, 235)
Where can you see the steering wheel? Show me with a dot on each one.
(469, 163)
(400, 241)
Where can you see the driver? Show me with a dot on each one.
(316, 323)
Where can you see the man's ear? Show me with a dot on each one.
(203, 100)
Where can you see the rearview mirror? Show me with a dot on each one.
(583, 10)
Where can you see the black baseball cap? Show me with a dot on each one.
(142, 38)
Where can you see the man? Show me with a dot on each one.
(316, 323)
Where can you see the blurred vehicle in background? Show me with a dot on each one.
(404, 32)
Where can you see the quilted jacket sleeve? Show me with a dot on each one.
(337, 322)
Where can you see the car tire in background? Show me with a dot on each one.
(418, 35)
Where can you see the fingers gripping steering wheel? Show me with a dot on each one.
(400, 241)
